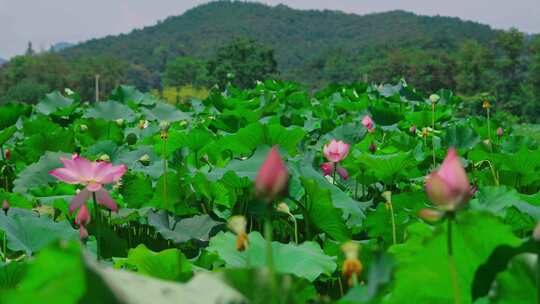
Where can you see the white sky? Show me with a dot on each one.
(45, 22)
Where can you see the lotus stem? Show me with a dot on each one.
(452, 262)
(433, 131)
(270, 258)
(98, 223)
(5, 247)
(488, 123)
(165, 169)
(392, 218)
(334, 174)
(538, 273)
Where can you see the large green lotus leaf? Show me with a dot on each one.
(36, 145)
(461, 137)
(215, 192)
(136, 190)
(56, 275)
(29, 233)
(97, 130)
(55, 103)
(155, 167)
(423, 258)
(108, 148)
(242, 142)
(242, 168)
(169, 194)
(387, 168)
(38, 124)
(169, 264)
(165, 112)
(182, 230)
(517, 285)
(322, 212)
(110, 110)
(306, 260)
(353, 211)
(498, 200)
(6, 134)
(129, 94)
(37, 174)
(11, 274)
(384, 115)
(107, 285)
(285, 138)
(194, 139)
(424, 118)
(10, 113)
(522, 162)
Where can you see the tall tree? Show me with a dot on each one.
(242, 62)
(510, 69)
(185, 70)
(473, 63)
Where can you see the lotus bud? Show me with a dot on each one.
(5, 206)
(83, 128)
(486, 105)
(448, 187)
(283, 208)
(430, 215)
(8, 154)
(352, 267)
(536, 232)
(105, 158)
(413, 130)
(183, 123)
(327, 168)
(434, 98)
(336, 151)
(145, 159)
(372, 148)
(368, 123)
(387, 195)
(238, 225)
(120, 122)
(83, 216)
(500, 132)
(273, 177)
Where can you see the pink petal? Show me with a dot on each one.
(66, 175)
(111, 174)
(273, 176)
(327, 168)
(84, 167)
(79, 199)
(452, 172)
(104, 199)
(83, 233)
(342, 172)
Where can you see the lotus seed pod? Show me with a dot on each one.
(105, 158)
(83, 128)
(145, 159)
(120, 122)
(434, 98)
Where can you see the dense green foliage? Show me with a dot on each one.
(170, 235)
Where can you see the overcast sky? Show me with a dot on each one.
(45, 22)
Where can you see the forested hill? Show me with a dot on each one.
(298, 37)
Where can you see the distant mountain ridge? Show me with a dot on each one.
(297, 36)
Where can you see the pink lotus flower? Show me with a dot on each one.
(328, 169)
(368, 123)
(273, 176)
(449, 186)
(500, 132)
(93, 175)
(336, 151)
